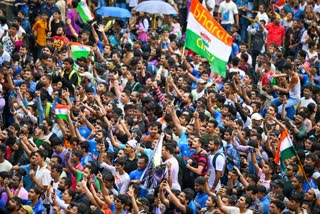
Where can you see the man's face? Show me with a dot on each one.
(128, 149)
(227, 136)
(32, 195)
(310, 195)
(54, 173)
(277, 20)
(196, 143)
(12, 204)
(182, 198)
(210, 128)
(61, 185)
(273, 209)
(307, 92)
(56, 15)
(67, 65)
(211, 146)
(295, 183)
(107, 49)
(27, 75)
(164, 152)
(72, 209)
(292, 205)
(289, 171)
(153, 130)
(241, 203)
(243, 48)
(298, 119)
(141, 164)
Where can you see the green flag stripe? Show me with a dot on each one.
(287, 153)
(216, 64)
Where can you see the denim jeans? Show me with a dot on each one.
(291, 102)
(227, 27)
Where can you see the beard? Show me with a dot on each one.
(62, 189)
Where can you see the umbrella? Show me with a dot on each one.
(114, 12)
(155, 7)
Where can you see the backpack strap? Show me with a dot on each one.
(215, 158)
(70, 76)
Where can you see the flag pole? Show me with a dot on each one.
(303, 172)
(182, 54)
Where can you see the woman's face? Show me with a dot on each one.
(66, 196)
(153, 52)
(209, 202)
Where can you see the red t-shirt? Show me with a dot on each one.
(276, 33)
(59, 42)
(265, 78)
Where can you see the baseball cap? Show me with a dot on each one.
(132, 143)
(143, 201)
(28, 209)
(256, 116)
(88, 75)
(201, 81)
(280, 48)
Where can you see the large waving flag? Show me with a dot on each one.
(285, 149)
(79, 50)
(206, 37)
(154, 171)
(61, 111)
(84, 11)
(280, 3)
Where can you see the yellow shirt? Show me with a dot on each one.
(41, 28)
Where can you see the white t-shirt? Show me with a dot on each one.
(211, 4)
(220, 163)
(5, 166)
(21, 31)
(249, 57)
(174, 172)
(236, 210)
(305, 102)
(263, 16)
(3, 28)
(227, 11)
(43, 175)
(241, 72)
(5, 57)
(122, 181)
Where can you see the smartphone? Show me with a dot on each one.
(251, 149)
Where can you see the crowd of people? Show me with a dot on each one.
(140, 88)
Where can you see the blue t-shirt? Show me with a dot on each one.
(84, 131)
(85, 159)
(28, 183)
(193, 207)
(200, 200)
(92, 147)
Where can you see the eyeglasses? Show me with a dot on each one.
(288, 169)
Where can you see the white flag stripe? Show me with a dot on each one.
(216, 47)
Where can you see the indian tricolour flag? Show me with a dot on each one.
(61, 111)
(279, 4)
(84, 11)
(285, 149)
(79, 50)
(206, 37)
